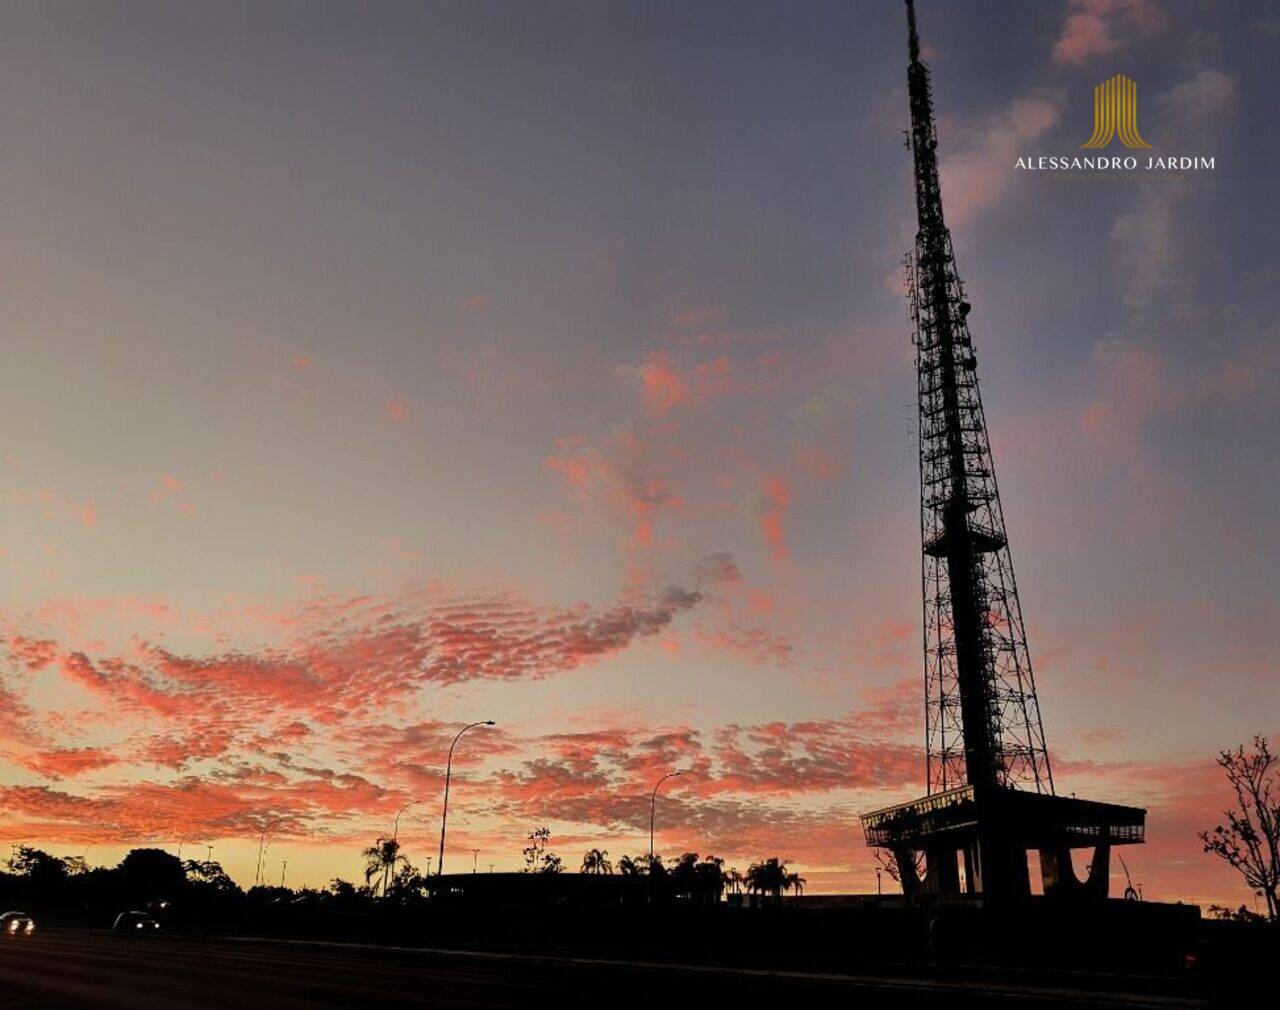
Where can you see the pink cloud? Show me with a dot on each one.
(398, 410)
(773, 515)
(979, 171)
(661, 384)
(597, 478)
(1101, 27)
(52, 505)
(666, 385)
(755, 644)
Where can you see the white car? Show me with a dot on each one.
(17, 923)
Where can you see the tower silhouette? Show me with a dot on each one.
(990, 794)
(983, 724)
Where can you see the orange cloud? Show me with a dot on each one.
(773, 514)
(66, 762)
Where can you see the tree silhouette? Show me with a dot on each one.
(652, 866)
(709, 875)
(152, 873)
(629, 867)
(889, 864)
(698, 882)
(209, 873)
(381, 859)
(550, 863)
(536, 858)
(43, 869)
(768, 878)
(532, 852)
(596, 861)
(1249, 841)
(795, 883)
(406, 884)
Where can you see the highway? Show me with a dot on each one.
(65, 968)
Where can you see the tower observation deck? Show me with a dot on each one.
(990, 793)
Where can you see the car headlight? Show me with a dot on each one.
(13, 926)
(31, 927)
(139, 925)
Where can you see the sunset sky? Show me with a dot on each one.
(372, 369)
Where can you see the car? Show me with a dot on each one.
(135, 924)
(17, 923)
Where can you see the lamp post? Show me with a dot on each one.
(262, 840)
(448, 772)
(653, 805)
(395, 842)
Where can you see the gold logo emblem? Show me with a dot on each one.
(1115, 110)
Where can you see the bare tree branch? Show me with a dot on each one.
(1249, 840)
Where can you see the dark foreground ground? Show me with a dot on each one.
(94, 969)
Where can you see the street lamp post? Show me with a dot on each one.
(395, 841)
(653, 805)
(262, 840)
(448, 771)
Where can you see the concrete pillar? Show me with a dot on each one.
(1056, 875)
(1099, 883)
(942, 873)
(907, 876)
(1002, 870)
(1060, 880)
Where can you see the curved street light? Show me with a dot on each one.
(448, 771)
(262, 839)
(395, 841)
(395, 831)
(653, 804)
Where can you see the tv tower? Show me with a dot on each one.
(983, 723)
(989, 785)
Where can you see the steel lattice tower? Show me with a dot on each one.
(990, 797)
(983, 721)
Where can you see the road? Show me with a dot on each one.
(58, 968)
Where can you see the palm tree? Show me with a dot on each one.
(629, 867)
(597, 861)
(769, 877)
(733, 879)
(710, 878)
(795, 882)
(381, 859)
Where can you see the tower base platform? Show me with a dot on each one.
(974, 841)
